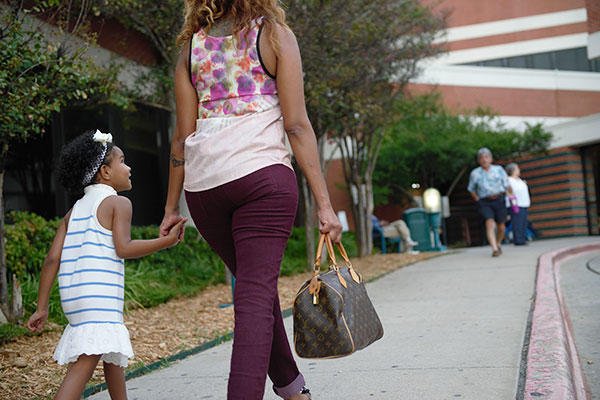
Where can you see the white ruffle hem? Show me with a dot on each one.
(110, 340)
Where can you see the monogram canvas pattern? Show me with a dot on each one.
(360, 313)
(342, 322)
(319, 330)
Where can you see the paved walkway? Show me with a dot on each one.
(581, 287)
(454, 329)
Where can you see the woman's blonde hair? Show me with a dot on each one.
(202, 14)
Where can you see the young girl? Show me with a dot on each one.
(87, 252)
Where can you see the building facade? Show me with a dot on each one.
(531, 62)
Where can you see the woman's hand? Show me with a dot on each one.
(329, 223)
(37, 321)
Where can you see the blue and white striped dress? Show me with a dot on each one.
(91, 282)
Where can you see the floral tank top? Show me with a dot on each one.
(229, 76)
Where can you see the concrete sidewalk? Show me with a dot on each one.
(454, 329)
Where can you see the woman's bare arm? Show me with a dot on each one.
(290, 87)
(187, 112)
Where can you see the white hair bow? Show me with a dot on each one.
(102, 137)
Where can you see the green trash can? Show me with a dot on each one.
(417, 221)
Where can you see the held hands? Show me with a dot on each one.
(329, 223)
(169, 220)
(37, 321)
(176, 231)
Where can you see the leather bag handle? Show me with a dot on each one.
(315, 283)
(355, 276)
(317, 264)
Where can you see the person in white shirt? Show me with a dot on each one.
(518, 203)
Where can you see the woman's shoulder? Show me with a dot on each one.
(282, 32)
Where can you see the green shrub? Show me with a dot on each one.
(183, 270)
(28, 238)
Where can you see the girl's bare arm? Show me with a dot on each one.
(121, 228)
(49, 270)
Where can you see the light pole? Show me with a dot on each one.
(432, 203)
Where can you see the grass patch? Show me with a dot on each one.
(8, 332)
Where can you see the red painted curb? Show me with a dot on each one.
(553, 367)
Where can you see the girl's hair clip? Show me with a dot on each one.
(102, 137)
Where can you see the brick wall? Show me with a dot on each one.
(593, 14)
(556, 183)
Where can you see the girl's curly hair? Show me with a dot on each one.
(76, 160)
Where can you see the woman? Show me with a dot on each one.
(239, 89)
(520, 197)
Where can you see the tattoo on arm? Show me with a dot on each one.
(176, 161)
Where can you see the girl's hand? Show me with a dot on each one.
(329, 223)
(37, 321)
(169, 220)
(177, 231)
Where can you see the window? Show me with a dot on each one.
(561, 60)
(141, 133)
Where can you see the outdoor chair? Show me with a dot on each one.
(382, 242)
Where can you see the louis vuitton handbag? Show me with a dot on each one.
(333, 315)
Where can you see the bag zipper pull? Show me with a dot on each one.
(340, 277)
(354, 274)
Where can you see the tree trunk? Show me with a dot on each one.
(4, 305)
(370, 204)
(362, 219)
(309, 224)
(16, 311)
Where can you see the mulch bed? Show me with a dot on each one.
(27, 370)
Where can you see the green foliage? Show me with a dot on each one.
(183, 270)
(356, 55)
(28, 239)
(40, 77)
(29, 289)
(159, 22)
(430, 145)
(41, 74)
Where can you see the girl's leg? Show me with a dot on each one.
(115, 380)
(78, 374)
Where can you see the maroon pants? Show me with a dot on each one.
(248, 222)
